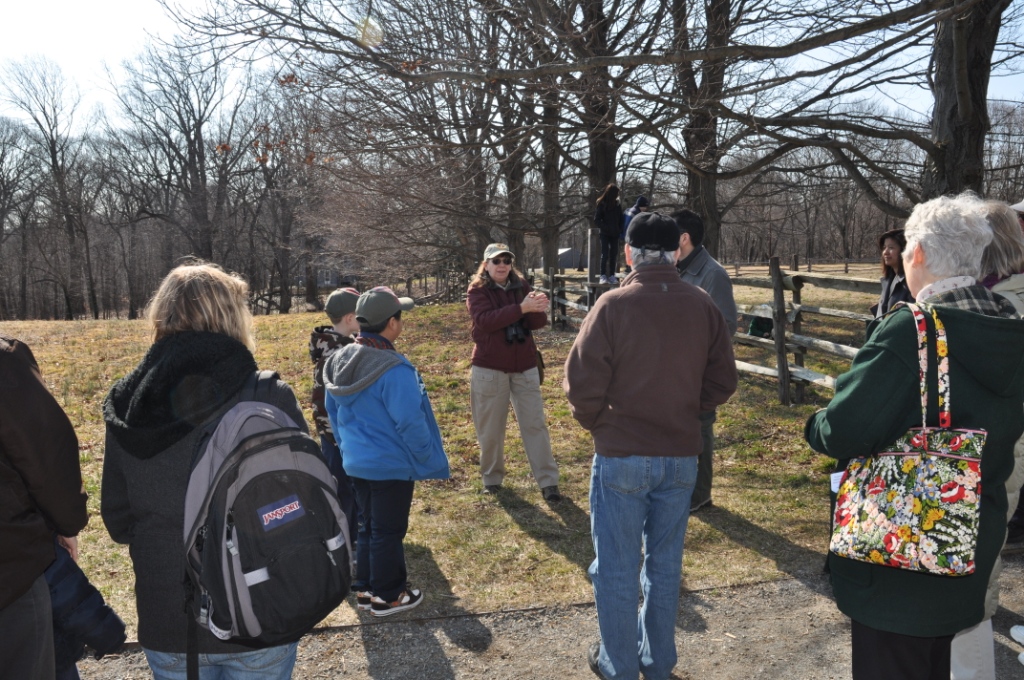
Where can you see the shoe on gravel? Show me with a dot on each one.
(1017, 633)
(363, 598)
(407, 599)
(592, 656)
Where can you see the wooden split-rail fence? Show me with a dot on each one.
(571, 296)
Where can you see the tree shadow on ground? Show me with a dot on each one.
(436, 614)
(569, 538)
(803, 564)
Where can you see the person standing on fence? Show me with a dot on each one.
(642, 205)
(608, 219)
(651, 355)
(894, 284)
(696, 266)
(504, 312)
(903, 621)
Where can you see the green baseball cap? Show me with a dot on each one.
(496, 249)
(341, 302)
(379, 304)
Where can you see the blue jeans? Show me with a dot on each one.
(639, 506)
(383, 522)
(272, 663)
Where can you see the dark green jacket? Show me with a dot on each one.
(877, 401)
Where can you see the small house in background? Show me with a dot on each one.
(568, 258)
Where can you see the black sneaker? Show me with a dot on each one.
(701, 505)
(407, 599)
(492, 488)
(550, 494)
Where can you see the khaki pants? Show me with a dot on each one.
(491, 392)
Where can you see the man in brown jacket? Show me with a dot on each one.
(650, 356)
(41, 496)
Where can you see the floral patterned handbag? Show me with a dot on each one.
(916, 505)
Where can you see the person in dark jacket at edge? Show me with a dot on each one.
(200, 363)
(41, 494)
(642, 205)
(903, 621)
(699, 268)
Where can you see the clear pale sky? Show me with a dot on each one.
(82, 35)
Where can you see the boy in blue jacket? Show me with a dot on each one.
(379, 411)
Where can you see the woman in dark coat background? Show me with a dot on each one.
(608, 219)
(894, 284)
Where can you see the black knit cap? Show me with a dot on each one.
(653, 231)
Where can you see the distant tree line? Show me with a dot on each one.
(302, 143)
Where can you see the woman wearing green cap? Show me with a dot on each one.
(505, 311)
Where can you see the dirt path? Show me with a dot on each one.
(786, 629)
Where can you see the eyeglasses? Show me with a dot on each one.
(501, 260)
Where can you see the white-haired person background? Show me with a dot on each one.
(903, 621)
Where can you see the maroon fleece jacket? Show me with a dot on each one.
(651, 355)
(492, 310)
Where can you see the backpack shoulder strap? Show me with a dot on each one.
(260, 386)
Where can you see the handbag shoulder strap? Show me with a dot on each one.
(942, 363)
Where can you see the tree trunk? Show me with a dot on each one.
(961, 61)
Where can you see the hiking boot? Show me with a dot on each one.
(550, 494)
(407, 599)
(363, 598)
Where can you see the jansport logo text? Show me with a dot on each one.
(280, 512)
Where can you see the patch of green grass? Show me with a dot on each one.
(469, 551)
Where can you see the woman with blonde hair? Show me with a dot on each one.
(505, 312)
(199, 364)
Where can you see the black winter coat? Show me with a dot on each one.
(154, 417)
(608, 219)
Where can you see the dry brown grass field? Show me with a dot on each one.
(472, 552)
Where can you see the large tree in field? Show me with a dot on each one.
(38, 89)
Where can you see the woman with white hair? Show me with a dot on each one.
(903, 621)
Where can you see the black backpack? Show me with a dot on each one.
(268, 554)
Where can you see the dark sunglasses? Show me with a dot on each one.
(501, 260)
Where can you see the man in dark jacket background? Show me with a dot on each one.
(41, 495)
(650, 356)
(696, 266)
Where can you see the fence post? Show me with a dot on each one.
(782, 360)
(846, 266)
(552, 308)
(796, 262)
(798, 356)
